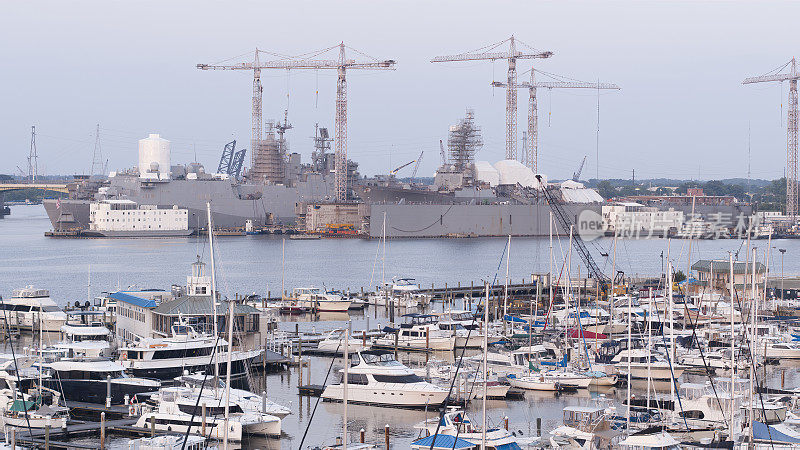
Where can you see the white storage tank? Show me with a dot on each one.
(154, 157)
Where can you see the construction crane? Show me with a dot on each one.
(565, 221)
(532, 157)
(394, 172)
(791, 129)
(309, 61)
(489, 53)
(577, 174)
(416, 166)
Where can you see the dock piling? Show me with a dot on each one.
(153, 425)
(102, 430)
(362, 436)
(386, 435)
(203, 426)
(47, 437)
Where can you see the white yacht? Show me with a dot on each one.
(376, 378)
(29, 307)
(85, 337)
(334, 342)
(783, 350)
(463, 336)
(404, 292)
(187, 350)
(421, 333)
(552, 380)
(169, 442)
(170, 415)
(316, 298)
(213, 393)
(644, 363)
(651, 441)
(584, 427)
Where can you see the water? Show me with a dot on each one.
(253, 264)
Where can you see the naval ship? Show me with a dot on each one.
(268, 194)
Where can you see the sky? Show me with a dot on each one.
(129, 66)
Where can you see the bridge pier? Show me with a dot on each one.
(2, 205)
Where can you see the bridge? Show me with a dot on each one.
(55, 187)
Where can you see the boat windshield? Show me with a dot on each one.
(51, 308)
(386, 359)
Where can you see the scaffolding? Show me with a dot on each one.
(463, 140)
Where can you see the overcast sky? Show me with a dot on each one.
(130, 66)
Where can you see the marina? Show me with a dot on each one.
(231, 226)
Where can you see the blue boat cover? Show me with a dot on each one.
(763, 432)
(133, 300)
(509, 446)
(443, 441)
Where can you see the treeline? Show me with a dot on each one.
(767, 195)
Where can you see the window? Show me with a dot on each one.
(410, 378)
(357, 378)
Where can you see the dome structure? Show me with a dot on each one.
(514, 172)
(486, 173)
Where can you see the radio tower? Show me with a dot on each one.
(33, 158)
(791, 129)
(97, 156)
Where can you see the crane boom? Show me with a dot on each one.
(577, 174)
(402, 166)
(490, 56)
(416, 166)
(532, 159)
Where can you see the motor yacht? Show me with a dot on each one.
(81, 336)
(644, 364)
(169, 415)
(89, 380)
(30, 308)
(317, 299)
(376, 378)
(186, 350)
(334, 342)
(213, 393)
(420, 333)
(584, 427)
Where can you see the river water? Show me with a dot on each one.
(77, 269)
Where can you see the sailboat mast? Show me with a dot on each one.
(628, 418)
(550, 275)
(753, 344)
(733, 356)
(213, 282)
(671, 336)
(345, 382)
(485, 362)
(228, 374)
(505, 295)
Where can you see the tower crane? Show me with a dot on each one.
(532, 157)
(310, 61)
(489, 53)
(791, 130)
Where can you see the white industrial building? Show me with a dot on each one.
(633, 219)
(126, 216)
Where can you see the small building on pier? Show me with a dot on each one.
(151, 313)
(714, 276)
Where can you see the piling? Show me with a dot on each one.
(300, 374)
(203, 426)
(396, 337)
(539, 426)
(386, 435)
(362, 436)
(47, 437)
(153, 426)
(102, 430)
(14, 438)
(364, 337)
(108, 391)
(505, 422)
(308, 370)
